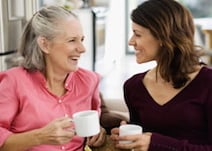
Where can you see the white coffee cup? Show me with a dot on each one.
(129, 129)
(86, 123)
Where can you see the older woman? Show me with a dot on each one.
(38, 98)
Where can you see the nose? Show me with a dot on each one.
(81, 48)
(131, 42)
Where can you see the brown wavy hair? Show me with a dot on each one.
(172, 24)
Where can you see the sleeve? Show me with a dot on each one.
(96, 101)
(133, 116)
(8, 105)
(165, 143)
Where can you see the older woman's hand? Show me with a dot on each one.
(57, 132)
(97, 140)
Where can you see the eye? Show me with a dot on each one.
(83, 38)
(71, 40)
(137, 35)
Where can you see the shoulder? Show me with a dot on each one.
(204, 78)
(16, 72)
(206, 73)
(133, 80)
(13, 76)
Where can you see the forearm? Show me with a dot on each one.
(161, 143)
(21, 141)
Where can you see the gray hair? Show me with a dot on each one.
(44, 23)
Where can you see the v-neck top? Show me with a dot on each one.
(184, 123)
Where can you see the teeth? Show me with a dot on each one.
(136, 51)
(75, 58)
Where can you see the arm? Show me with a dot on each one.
(97, 140)
(54, 133)
(11, 136)
(160, 142)
(165, 143)
(96, 100)
(21, 141)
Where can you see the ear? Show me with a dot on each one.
(43, 44)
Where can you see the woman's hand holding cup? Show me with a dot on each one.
(58, 131)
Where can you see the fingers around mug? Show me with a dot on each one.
(114, 135)
(92, 139)
(66, 122)
(95, 141)
(98, 139)
(123, 122)
(115, 131)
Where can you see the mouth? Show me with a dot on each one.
(137, 51)
(74, 59)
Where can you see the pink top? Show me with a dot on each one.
(26, 103)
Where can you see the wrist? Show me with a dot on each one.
(37, 137)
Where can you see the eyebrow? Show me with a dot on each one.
(138, 31)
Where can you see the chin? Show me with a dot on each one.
(139, 62)
(73, 69)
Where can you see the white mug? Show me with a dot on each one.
(129, 129)
(86, 123)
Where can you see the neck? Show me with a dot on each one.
(155, 75)
(55, 82)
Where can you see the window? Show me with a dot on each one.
(199, 8)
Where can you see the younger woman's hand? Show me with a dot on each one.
(140, 142)
(115, 133)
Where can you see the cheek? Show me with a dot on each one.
(153, 46)
(153, 52)
(62, 50)
(57, 54)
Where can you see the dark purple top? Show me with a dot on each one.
(182, 124)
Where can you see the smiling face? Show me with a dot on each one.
(64, 51)
(145, 44)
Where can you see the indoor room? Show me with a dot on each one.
(107, 28)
